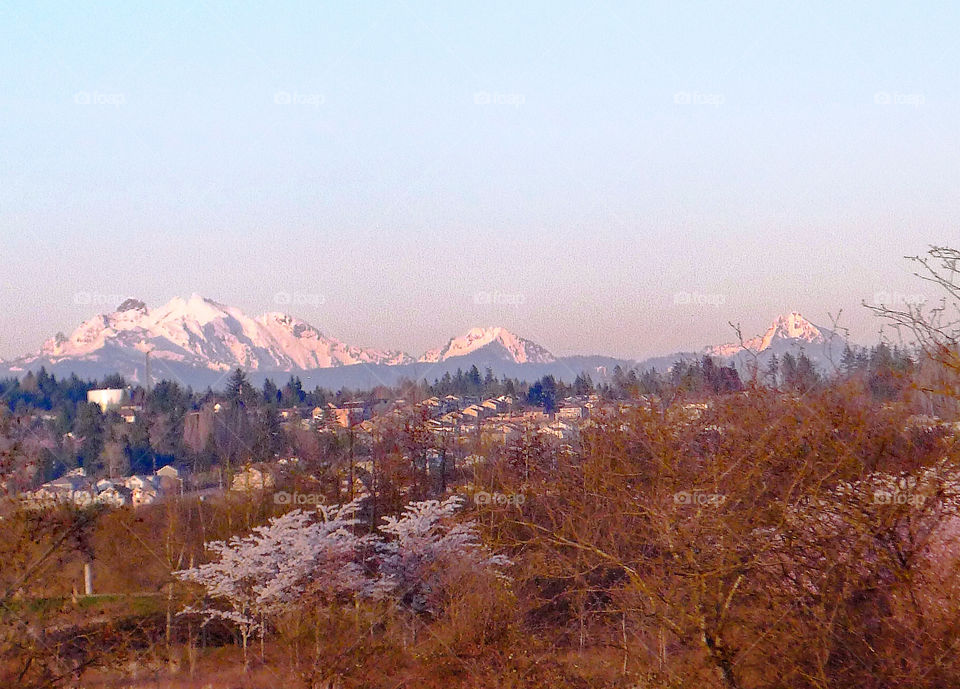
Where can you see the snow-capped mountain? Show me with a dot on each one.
(493, 342)
(197, 341)
(200, 332)
(791, 329)
(789, 332)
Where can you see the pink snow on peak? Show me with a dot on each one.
(790, 326)
(201, 331)
(519, 350)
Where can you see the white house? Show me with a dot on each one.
(104, 484)
(169, 471)
(143, 489)
(571, 412)
(140, 481)
(115, 496)
(560, 430)
(252, 478)
(143, 496)
(168, 480)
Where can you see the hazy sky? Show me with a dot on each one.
(601, 177)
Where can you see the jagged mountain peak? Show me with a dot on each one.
(132, 305)
(494, 340)
(794, 325)
(196, 308)
(790, 327)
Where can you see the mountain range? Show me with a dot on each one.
(198, 341)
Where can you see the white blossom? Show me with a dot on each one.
(296, 554)
(423, 544)
(259, 574)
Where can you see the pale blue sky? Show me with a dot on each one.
(383, 163)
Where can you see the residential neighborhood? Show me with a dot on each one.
(79, 489)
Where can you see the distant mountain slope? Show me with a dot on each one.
(365, 377)
(789, 333)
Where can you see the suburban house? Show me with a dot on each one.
(475, 411)
(572, 412)
(494, 405)
(169, 479)
(560, 430)
(347, 416)
(115, 496)
(74, 486)
(143, 489)
(252, 478)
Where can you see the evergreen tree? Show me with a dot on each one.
(140, 453)
(650, 383)
(268, 434)
(848, 361)
(293, 394)
(239, 390)
(772, 374)
(535, 394)
(806, 376)
(582, 384)
(114, 380)
(474, 380)
(271, 395)
(489, 382)
(89, 428)
(788, 367)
